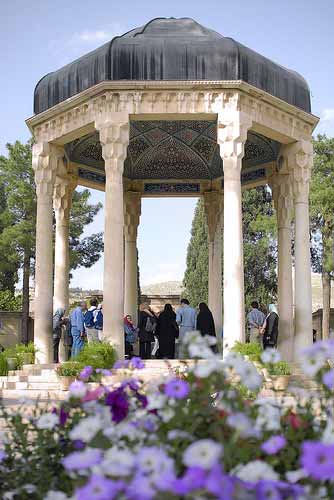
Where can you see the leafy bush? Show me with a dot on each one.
(3, 365)
(279, 368)
(18, 351)
(9, 301)
(69, 369)
(97, 355)
(252, 350)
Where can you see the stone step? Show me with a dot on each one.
(33, 394)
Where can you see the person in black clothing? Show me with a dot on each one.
(58, 322)
(270, 328)
(147, 321)
(205, 322)
(167, 331)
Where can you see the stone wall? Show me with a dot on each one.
(10, 328)
(317, 323)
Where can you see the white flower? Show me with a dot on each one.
(249, 375)
(200, 351)
(167, 414)
(234, 360)
(204, 453)
(205, 368)
(269, 418)
(47, 421)
(255, 471)
(270, 356)
(313, 359)
(243, 424)
(328, 434)
(77, 389)
(86, 429)
(56, 495)
(117, 462)
(177, 434)
(156, 401)
(293, 476)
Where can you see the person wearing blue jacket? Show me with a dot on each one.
(78, 328)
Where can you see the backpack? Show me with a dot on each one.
(99, 320)
(150, 324)
(89, 319)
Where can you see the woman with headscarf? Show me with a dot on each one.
(205, 322)
(167, 331)
(130, 333)
(270, 328)
(58, 322)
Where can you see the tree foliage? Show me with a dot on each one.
(260, 252)
(18, 221)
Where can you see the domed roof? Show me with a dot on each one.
(171, 49)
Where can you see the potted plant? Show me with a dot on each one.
(279, 375)
(26, 353)
(67, 373)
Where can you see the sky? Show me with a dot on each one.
(39, 36)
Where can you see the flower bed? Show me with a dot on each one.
(193, 435)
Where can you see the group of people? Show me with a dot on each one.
(159, 334)
(83, 324)
(263, 328)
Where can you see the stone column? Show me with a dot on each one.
(281, 184)
(301, 159)
(132, 210)
(213, 203)
(62, 200)
(114, 138)
(233, 125)
(45, 161)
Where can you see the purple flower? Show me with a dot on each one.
(86, 373)
(99, 488)
(140, 488)
(273, 445)
(78, 444)
(318, 460)
(268, 489)
(119, 404)
(178, 389)
(137, 363)
(328, 379)
(193, 479)
(2, 455)
(121, 363)
(220, 485)
(82, 459)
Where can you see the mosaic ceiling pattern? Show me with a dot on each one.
(172, 150)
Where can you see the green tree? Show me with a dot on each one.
(260, 252)
(196, 274)
(322, 219)
(18, 221)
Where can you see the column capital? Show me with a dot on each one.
(132, 212)
(114, 133)
(65, 183)
(233, 125)
(45, 163)
(297, 159)
(282, 192)
(213, 206)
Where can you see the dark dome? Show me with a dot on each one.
(172, 49)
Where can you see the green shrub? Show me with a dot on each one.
(280, 368)
(17, 351)
(9, 301)
(252, 350)
(69, 369)
(3, 365)
(97, 355)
